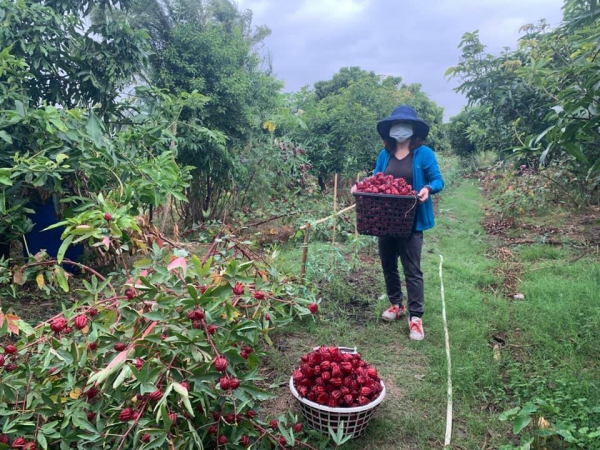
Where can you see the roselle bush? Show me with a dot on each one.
(168, 359)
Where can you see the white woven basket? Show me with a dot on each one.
(322, 417)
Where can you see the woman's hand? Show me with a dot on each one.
(423, 194)
(353, 189)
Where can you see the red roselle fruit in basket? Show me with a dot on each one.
(333, 378)
(385, 184)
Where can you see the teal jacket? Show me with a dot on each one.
(425, 172)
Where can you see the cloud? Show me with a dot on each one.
(312, 39)
(331, 10)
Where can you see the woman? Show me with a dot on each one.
(406, 157)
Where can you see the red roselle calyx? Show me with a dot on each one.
(234, 383)
(80, 322)
(196, 314)
(156, 395)
(146, 438)
(58, 324)
(126, 415)
(313, 308)
(225, 383)
(212, 329)
(10, 349)
(108, 217)
(130, 294)
(91, 393)
(259, 295)
(238, 289)
(18, 442)
(2, 359)
(120, 346)
(220, 364)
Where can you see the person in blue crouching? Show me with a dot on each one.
(405, 156)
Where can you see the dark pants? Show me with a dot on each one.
(409, 251)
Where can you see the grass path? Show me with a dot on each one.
(504, 352)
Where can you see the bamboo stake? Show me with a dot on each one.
(320, 221)
(355, 223)
(335, 186)
(304, 253)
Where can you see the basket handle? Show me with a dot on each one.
(351, 350)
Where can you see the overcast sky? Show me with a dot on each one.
(417, 40)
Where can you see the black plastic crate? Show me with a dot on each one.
(385, 215)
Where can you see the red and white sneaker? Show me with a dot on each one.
(394, 312)
(415, 324)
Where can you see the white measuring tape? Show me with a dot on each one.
(447, 338)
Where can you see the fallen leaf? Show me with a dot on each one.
(18, 276)
(496, 352)
(543, 423)
(40, 280)
(75, 393)
(11, 321)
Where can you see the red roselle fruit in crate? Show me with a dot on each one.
(385, 184)
(330, 377)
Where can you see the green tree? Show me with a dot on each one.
(73, 61)
(540, 102)
(209, 47)
(340, 117)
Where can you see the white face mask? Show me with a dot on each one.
(401, 131)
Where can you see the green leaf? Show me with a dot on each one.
(63, 248)
(25, 327)
(5, 176)
(20, 107)
(520, 422)
(6, 137)
(94, 128)
(62, 279)
(42, 440)
(155, 316)
(125, 373)
(507, 415)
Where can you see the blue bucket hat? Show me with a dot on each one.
(405, 113)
